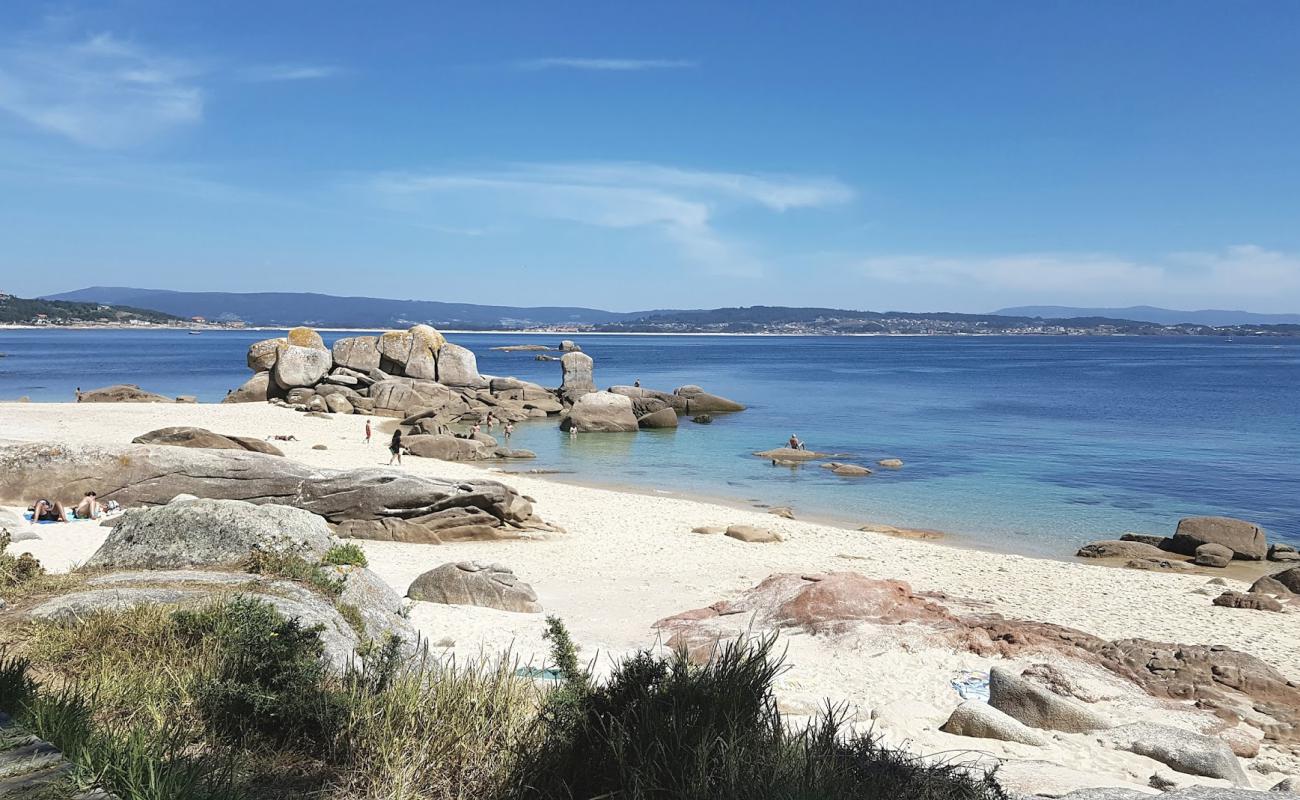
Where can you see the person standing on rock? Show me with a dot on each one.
(395, 447)
(367, 431)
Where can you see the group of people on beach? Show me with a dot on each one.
(89, 507)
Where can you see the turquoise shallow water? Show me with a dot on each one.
(1025, 444)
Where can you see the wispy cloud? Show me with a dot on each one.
(271, 73)
(1246, 274)
(679, 204)
(99, 90)
(605, 64)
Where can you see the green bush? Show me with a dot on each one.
(269, 684)
(346, 555)
(295, 568)
(668, 729)
(16, 570)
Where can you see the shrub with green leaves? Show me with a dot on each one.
(295, 568)
(665, 728)
(346, 555)
(270, 679)
(16, 570)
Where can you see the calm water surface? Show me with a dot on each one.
(1027, 444)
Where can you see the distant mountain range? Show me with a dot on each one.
(279, 309)
(287, 309)
(1160, 316)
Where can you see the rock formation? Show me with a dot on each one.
(373, 503)
(121, 393)
(1245, 539)
(184, 436)
(578, 378)
(470, 583)
(600, 412)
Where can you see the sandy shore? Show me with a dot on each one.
(629, 559)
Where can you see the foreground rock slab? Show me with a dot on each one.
(374, 503)
(185, 436)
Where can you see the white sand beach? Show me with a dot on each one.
(627, 560)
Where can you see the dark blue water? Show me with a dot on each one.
(1028, 444)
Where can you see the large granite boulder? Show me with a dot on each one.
(1182, 750)
(210, 532)
(600, 412)
(263, 355)
(121, 393)
(447, 448)
(1282, 552)
(1286, 582)
(578, 377)
(1036, 707)
(1117, 548)
(365, 503)
(301, 366)
(412, 353)
(1245, 539)
(380, 608)
(457, 366)
(257, 389)
(699, 401)
(404, 397)
(184, 436)
(360, 353)
(471, 583)
(982, 721)
(1213, 555)
(663, 418)
(303, 336)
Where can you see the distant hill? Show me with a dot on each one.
(22, 311)
(1160, 316)
(278, 309)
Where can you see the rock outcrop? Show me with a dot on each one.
(983, 721)
(209, 532)
(752, 534)
(364, 503)
(1036, 707)
(1182, 750)
(600, 412)
(257, 389)
(1213, 555)
(184, 436)
(121, 393)
(578, 374)
(471, 583)
(1245, 539)
(1118, 548)
(301, 366)
(457, 366)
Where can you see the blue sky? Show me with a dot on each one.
(923, 155)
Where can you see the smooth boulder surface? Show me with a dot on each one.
(404, 397)
(184, 436)
(752, 534)
(1245, 539)
(1286, 582)
(578, 375)
(1213, 555)
(1037, 707)
(699, 401)
(360, 353)
(982, 721)
(257, 389)
(457, 366)
(1118, 548)
(1247, 600)
(471, 583)
(1183, 750)
(301, 366)
(121, 393)
(210, 532)
(262, 355)
(663, 418)
(601, 412)
(446, 448)
(375, 502)
(1282, 552)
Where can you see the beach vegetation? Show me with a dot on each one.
(346, 555)
(295, 568)
(235, 701)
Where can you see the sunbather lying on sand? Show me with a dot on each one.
(47, 510)
(282, 437)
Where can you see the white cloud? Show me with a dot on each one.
(271, 73)
(100, 91)
(679, 204)
(605, 64)
(1240, 274)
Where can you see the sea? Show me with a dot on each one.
(1023, 444)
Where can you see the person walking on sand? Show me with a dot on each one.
(367, 431)
(395, 447)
